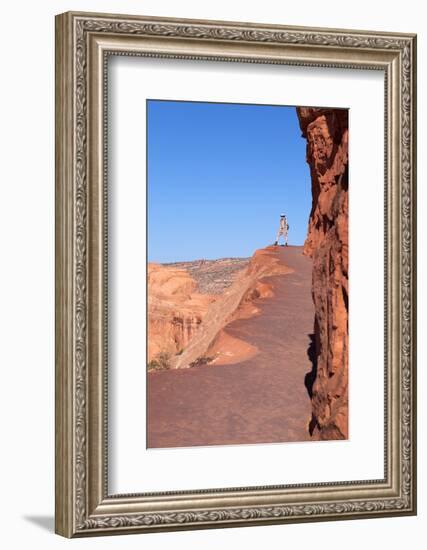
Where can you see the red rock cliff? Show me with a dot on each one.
(326, 131)
(175, 309)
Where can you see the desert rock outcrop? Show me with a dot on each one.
(326, 131)
(175, 309)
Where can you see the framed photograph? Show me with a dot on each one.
(235, 274)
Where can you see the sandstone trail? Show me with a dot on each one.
(231, 350)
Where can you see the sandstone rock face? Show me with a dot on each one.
(326, 131)
(175, 309)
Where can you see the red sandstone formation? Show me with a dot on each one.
(326, 131)
(175, 309)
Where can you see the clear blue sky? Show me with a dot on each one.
(219, 175)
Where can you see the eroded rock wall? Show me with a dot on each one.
(175, 310)
(326, 131)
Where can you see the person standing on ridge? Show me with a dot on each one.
(283, 230)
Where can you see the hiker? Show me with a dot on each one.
(283, 230)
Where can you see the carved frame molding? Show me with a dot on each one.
(83, 43)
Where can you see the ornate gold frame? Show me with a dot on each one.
(83, 42)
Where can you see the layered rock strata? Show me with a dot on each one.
(175, 310)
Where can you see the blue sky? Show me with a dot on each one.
(219, 175)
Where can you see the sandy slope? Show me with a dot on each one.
(236, 302)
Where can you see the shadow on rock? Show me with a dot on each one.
(310, 377)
